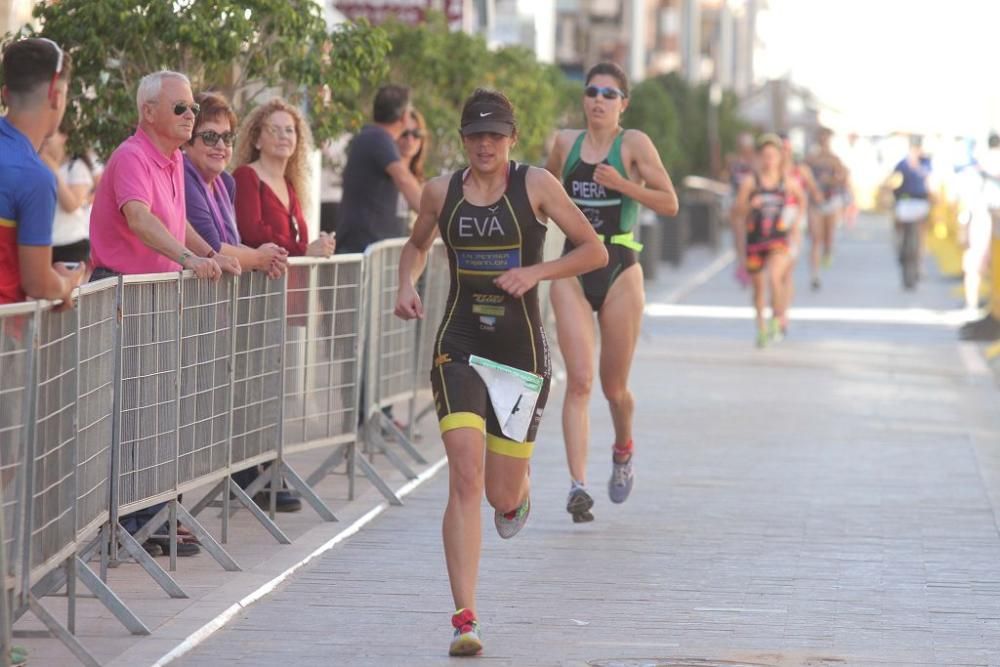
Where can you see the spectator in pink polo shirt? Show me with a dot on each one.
(138, 223)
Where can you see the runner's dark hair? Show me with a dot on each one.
(610, 69)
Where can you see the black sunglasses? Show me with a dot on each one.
(607, 92)
(211, 137)
(416, 134)
(179, 109)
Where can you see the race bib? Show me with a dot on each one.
(513, 395)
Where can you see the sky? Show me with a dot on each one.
(882, 65)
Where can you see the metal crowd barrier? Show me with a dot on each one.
(155, 385)
(392, 359)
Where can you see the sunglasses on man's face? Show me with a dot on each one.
(415, 134)
(607, 92)
(180, 108)
(211, 137)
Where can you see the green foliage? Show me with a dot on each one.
(652, 111)
(243, 48)
(680, 129)
(443, 68)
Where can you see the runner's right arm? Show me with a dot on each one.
(413, 257)
(554, 163)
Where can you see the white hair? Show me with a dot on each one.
(150, 85)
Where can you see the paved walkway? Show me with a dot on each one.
(829, 501)
(864, 534)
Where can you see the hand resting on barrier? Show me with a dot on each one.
(228, 264)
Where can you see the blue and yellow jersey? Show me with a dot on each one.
(27, 206)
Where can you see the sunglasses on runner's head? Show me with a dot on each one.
(416, 134)
(607, 92)
(211, 137)
(181, 108)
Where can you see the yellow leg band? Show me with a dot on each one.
(505, 447)
(462, 420)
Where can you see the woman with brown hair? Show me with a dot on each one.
(608, 172)
(272, 179)
(210, 191)
(414, 145)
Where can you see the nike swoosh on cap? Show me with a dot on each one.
(484, 114)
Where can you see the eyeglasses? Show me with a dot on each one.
(59, 62)
(211, 137)
(277, 131)
(416, 134)
(180, 108)
(607, 92)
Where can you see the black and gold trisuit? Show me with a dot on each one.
(612, 215)
(480, 318)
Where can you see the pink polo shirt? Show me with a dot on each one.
(137, 171)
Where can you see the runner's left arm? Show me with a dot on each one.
(588, 253)
(658, 192)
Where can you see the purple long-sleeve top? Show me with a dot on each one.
(210, 207)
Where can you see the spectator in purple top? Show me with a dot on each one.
(210, 191)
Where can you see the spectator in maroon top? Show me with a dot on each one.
(272, 181)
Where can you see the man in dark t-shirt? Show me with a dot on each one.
(374, 176)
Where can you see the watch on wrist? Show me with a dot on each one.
(210, 255)
(185, 256)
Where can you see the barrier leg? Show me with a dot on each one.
(352, 450)
(209, 498)
(307, 493)
(338, 456)
(377, 444)
(70, 568)
(204, 537)
(111, 602)
(56, 628)
(401, 439)
(258, 513)
(146, 562)
(376, 480)
(208, 542)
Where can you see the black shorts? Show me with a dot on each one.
(462, 401)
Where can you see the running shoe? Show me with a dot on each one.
(467, 640)
(510, 523)
(579, 503)
(827, 261)
(762, 340)
(776, 334)
(622, 478)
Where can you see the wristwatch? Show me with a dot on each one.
(185, 256)
(210, 255)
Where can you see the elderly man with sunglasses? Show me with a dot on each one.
(138, 223)
(36, 84)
